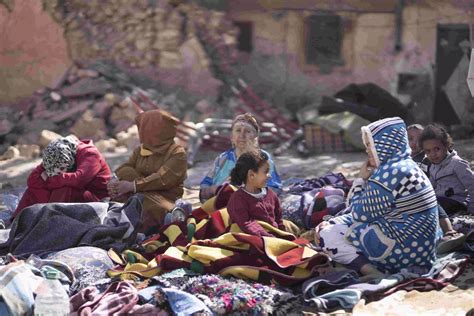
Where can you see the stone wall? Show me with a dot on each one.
(167, 40)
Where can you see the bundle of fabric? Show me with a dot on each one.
(227, 295)
(344, 289)
(118, 299)
(309, 209)
(216, 246)
(44, 228)
(335, 180)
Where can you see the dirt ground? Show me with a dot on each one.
(456, 299)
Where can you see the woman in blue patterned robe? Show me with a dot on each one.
(393, 223)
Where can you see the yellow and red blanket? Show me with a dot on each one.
(215, 245)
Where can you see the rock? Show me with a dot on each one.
(28, 138)
(101, 108)
(128, 138)
(87, 73)
(29, 151)
(87, 86)
(56, 97)
(11, 153)
(106, 145)
(110, 98)
(76, 107)
(89, 126)
(5, 127)
(46, 137)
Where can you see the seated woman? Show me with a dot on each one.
(157, 168)
(72, 171)
(245, 130)
(253, 202)
(393, 222)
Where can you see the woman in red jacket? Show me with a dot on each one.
(72, 171)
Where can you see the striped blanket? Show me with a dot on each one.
(215, 245)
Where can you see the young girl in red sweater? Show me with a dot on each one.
(253, 201)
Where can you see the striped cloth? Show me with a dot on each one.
(17, 285)
(214, 245)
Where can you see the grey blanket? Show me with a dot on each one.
(44, 228)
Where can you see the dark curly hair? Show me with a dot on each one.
(247, 161)
(435, 132)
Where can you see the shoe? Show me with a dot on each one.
(450, 242)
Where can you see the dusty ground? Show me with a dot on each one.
(456, 299)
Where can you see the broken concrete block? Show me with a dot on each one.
(128, 138)
(101, 108)
(89, 126)
(75, 108)
(56, 97)
(106, 145)
(87, 86)
(87, 73)
(11, 153)
(47, 137)
(110, 98)
(29, 151)
(29, 138)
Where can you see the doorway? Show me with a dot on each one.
(448, 56)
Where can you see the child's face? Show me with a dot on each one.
(413, 136)
(435, 150)
(259, 179)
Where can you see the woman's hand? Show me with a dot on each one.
(118, 188)
(365, 171)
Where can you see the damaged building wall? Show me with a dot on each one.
(161, 39)
(367, 46)
(171, 42)
(33, 52)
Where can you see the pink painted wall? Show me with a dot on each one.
(33, 52)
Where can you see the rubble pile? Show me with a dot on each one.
(120, 49)
(91, 102)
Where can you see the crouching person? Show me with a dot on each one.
(157, 168)
(72, 170)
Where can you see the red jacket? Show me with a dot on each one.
(92, 173)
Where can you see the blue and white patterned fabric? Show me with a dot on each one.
(224, 164)
(394, 218)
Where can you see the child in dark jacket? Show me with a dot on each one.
(451, 176)
(418, 155)
(253, 201)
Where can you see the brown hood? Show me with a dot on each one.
(156, 128)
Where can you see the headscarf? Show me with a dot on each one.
(388, 138)
(60, 153)
(155, 129)
(247, 118)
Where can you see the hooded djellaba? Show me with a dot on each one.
(158, 167)
(394, 214)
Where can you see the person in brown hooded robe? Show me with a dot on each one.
(157, 168)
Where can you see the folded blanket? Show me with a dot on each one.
(44, 228)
